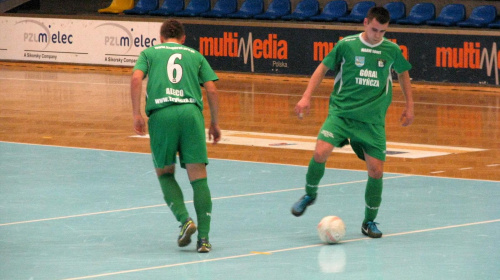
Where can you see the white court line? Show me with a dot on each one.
(277, 251)
(466, 168)
(190, 201)
(81, 215)
(66, 82)
(248, 161)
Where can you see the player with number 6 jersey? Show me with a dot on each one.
(175, 73)
(174, 105)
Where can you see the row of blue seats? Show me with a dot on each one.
(336, 10)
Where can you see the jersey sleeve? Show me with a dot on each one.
(400, 63)
(333, 58)
(206, 72)
(142, 64)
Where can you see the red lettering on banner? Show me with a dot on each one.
(467, 57)
(230, 46)
(470, 56)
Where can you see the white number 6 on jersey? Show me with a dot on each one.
(174, 71)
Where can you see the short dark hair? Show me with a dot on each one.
(172, 29)
(381, 14)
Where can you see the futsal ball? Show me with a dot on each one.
(331, 229)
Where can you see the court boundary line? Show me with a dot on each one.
(247, 161)
(278, 251)
(190, 201)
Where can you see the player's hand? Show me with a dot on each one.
(407, 117)
(139, 125)
(214, 133)
(302, 107)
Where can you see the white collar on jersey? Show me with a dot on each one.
(368, 44)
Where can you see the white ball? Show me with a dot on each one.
(331, 229)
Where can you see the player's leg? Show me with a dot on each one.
(373, 195)
(369, 144)
(315, 172)
(202, 200)
(172, 193)
(316, 169)
(163, 140)
(193, 156)
(174, 198)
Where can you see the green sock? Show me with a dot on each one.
(315, 172)
(173, 196)
(203, 206)
(373, 198)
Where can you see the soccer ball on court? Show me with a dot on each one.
(331, 229)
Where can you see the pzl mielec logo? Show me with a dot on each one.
(120, 37)
(46, 36)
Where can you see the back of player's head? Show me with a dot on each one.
(381, 14)
(172, 29)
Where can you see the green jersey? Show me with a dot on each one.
(175, 75)
(363, 81)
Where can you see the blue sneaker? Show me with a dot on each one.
(188, 228)
(300, 206)
(370, 229)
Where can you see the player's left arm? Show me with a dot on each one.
(135, 94)
(408, 113)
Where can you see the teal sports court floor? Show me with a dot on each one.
(69, 213)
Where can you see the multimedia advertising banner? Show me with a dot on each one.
(434, 57)
(471, 59)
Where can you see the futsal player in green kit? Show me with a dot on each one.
(362, 93)
(174, 106)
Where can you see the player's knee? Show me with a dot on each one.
(320, 156)
(170, 169)
(375, 172)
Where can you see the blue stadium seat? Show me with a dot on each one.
(397, 10)
(449, 16)
(495, 24)
(143, 7)
(332, 11)
(480, 16)
(419, 14)
(168, 8)
(194, 8)
(304, 10)
(249, 9)
(358, 12)
(276, 9)
(221, 9)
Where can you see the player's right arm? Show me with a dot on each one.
(304, 104)
(213, 102)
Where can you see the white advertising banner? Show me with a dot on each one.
(75, 41)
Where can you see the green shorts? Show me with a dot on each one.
(363, 137)
(177, 128)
